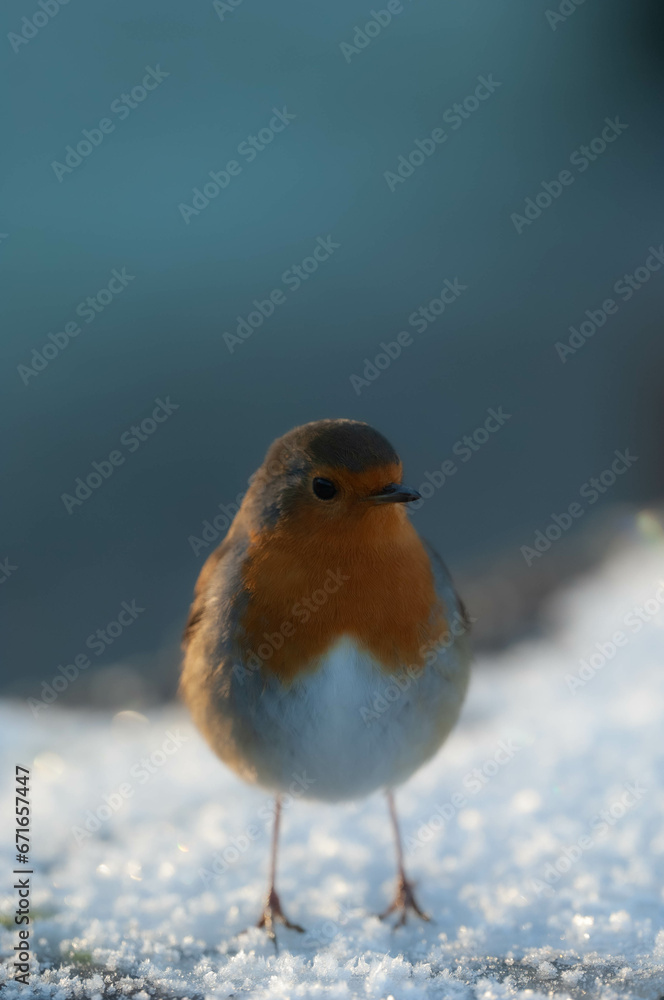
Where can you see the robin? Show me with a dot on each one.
(321, 597)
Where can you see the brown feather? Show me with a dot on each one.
(387, 600)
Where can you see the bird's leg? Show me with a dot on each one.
(272, 912)
(404, 898)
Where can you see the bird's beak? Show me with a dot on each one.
(394, 493)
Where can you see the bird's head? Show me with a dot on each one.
(327, 474)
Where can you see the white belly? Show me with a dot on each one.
(349, 728)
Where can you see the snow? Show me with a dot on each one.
(517, 794)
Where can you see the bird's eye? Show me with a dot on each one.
(324, 488)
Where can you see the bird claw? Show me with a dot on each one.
(272, 914)
(404, 901)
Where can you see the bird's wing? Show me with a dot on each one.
(445, 585)
(197, 608)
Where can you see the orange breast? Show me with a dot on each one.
(366, 575)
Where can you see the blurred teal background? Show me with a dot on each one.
(322, 176)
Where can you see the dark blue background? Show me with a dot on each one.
(324, 174)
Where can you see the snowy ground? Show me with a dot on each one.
(545, 877)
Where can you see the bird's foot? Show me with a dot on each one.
(404, 901)
(273, 914)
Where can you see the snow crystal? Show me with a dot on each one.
(535, 838)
